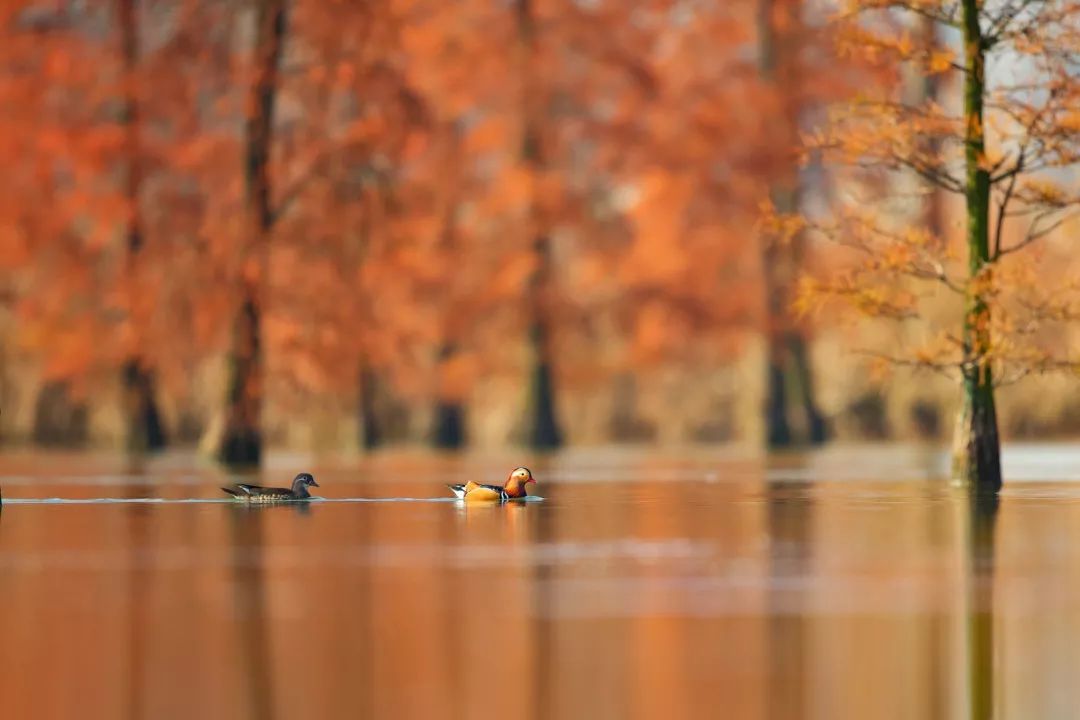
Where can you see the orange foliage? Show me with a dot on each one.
(405, 205)
(1000, 310)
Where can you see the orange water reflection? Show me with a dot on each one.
(628, 597)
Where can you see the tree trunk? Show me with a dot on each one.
(448, 432)
(977, 450)
(59, 420)
(371, 433)
(777, 427)
(242, 442)
(543, 431)
(145, 431)
(448, 425)
(789, 375)
(816, 429)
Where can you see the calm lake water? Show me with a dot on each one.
(850, 584)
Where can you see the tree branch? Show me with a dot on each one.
(946, 368)
(998, 26)
(1034, 234)
(1004, 203)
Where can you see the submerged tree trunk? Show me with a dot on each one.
(59, 419)
(448, 431)
(448, 424)
(977, 451)
(543, 431)
(371, 433)
(145, 431)
(448, 421)
(242, 442)
(789, 375)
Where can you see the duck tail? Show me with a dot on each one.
(232, 491)
(458, 490)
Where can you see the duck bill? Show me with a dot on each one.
(314, 484)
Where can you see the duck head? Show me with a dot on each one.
(302, 482)
(520, 477)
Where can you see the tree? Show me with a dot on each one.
(59, 208)
(347, 213)
(242, 442)
(543, 424)
(781, 39)
(145, 430)
(1002, 152)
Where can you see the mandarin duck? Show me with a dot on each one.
(258, 493)
(514, 488)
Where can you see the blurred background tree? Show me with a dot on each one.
(329, 225)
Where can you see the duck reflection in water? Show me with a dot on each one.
(244, 508)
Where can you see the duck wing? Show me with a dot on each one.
(252, 489)
(486, 493)
(463, 489)
(247, 492)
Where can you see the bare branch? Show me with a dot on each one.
(1004, 203)
(1035, 233)
(945, 368)
(1013, 378)
(1001, 23)
(1041, 367)
(933, 174)
(936, 272)
(947, 19)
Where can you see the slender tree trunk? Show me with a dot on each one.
(145, 431)
(789, 375)
(371, 432)
(543, 426)
(448, 425)
(242, 442)
(977, 458)
(59, 419)
(544, 431)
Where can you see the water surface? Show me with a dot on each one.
(851, 584)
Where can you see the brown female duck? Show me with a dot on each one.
(258, 493)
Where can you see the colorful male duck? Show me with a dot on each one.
(258, 493)
(514, 488)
